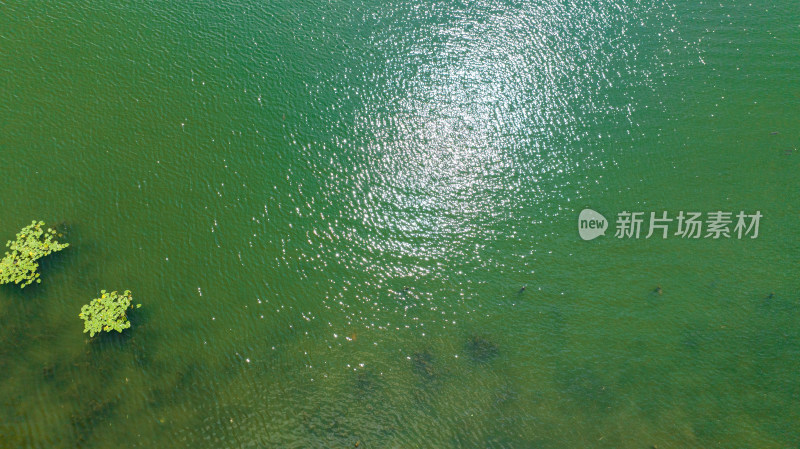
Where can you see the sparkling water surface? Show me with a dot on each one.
(328, 211)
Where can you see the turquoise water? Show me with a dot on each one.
(328, 210)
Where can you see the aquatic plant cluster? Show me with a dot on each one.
(33, 242)
(106, 313)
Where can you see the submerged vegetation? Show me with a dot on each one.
(33, 242)
(422, 364)
(107, 313)
(480, 349)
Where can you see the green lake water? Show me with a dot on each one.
(327, 210)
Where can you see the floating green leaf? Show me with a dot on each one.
(107, 313)
(33, 242)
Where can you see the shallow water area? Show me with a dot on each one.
(328, 211)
